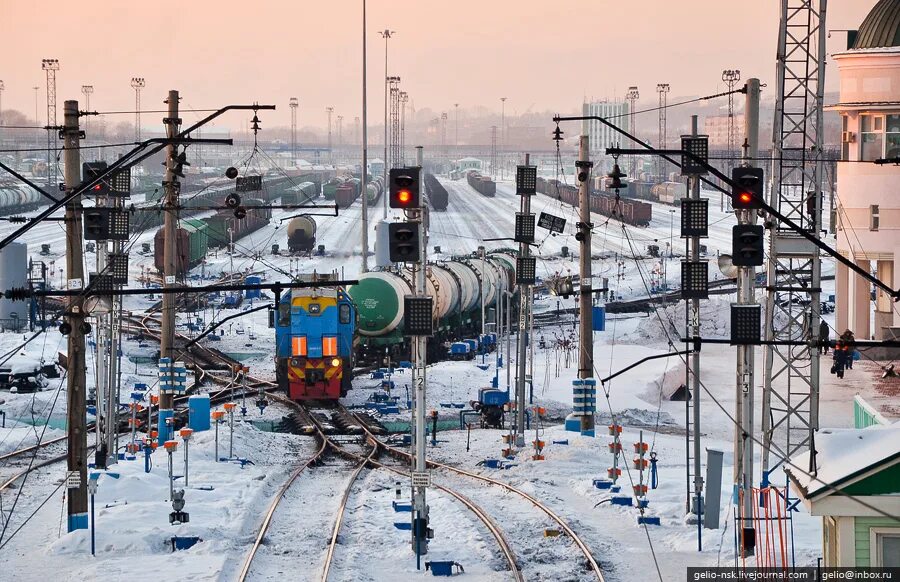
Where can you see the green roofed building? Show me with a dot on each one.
(855, 487)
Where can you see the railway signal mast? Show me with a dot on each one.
(408, 244)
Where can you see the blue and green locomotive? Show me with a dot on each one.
(315, 332)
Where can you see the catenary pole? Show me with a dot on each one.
(170, 224)
(585, 313)
(76, 456)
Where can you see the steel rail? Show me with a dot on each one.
(504, 545)
(267, 521)
(549, 512)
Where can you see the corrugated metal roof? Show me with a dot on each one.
(881, 28)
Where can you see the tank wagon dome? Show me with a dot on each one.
(881, 28)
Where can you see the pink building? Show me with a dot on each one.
(868, 209)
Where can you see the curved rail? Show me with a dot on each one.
(595, 567)
(505, 548)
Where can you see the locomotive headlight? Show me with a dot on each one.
(295, 362)
(335, 362)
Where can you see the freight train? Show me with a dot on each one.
(194, 237)
(225, 227)
(301, 193)
(347, 193)
(301, 234)
(436, 193)
(149, 215)
(19, 198)
(457, 288)
(483, 184)
(628, 211)
(374, 189)
(315, 329)
(191, 244)
(329, 188)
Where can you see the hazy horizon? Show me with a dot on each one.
(530, 52)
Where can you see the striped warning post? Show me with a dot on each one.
(172, 377)
(584, 396)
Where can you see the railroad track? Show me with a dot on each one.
(556, 518)
(368, 459)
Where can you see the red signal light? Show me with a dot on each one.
(97, 187)
(746, 197)
(404, 196)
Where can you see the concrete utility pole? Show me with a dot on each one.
(743, 435)
(386, 35)
(365, 151)
(419, 372)
(170, 224)
(521, 344)
(2, 88)
(585, 308)
(76, 455)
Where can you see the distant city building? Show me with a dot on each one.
(602, 136)
(868, 211)
(716, 127)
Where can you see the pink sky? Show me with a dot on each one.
(539, 54)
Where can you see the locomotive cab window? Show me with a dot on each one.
(284, 314)
(344, 313)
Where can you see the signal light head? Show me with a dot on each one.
(746, 197)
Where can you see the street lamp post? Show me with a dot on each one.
(502, 136)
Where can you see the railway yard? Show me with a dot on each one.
(578, 308)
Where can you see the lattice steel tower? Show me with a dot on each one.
(791, 385)
(87, 91)
(663, 90)
(330, 110)
(50, 66)
(731, 78)
(444, 152)
(404, 98)
(394, 88)
(632, 97)
(137, 83)
(294, 103)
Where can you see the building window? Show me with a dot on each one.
(872, 137)
(873, 217)
(892, 141)
(884, 547)
(845, 137)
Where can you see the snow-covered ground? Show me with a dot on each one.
(132, 511)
